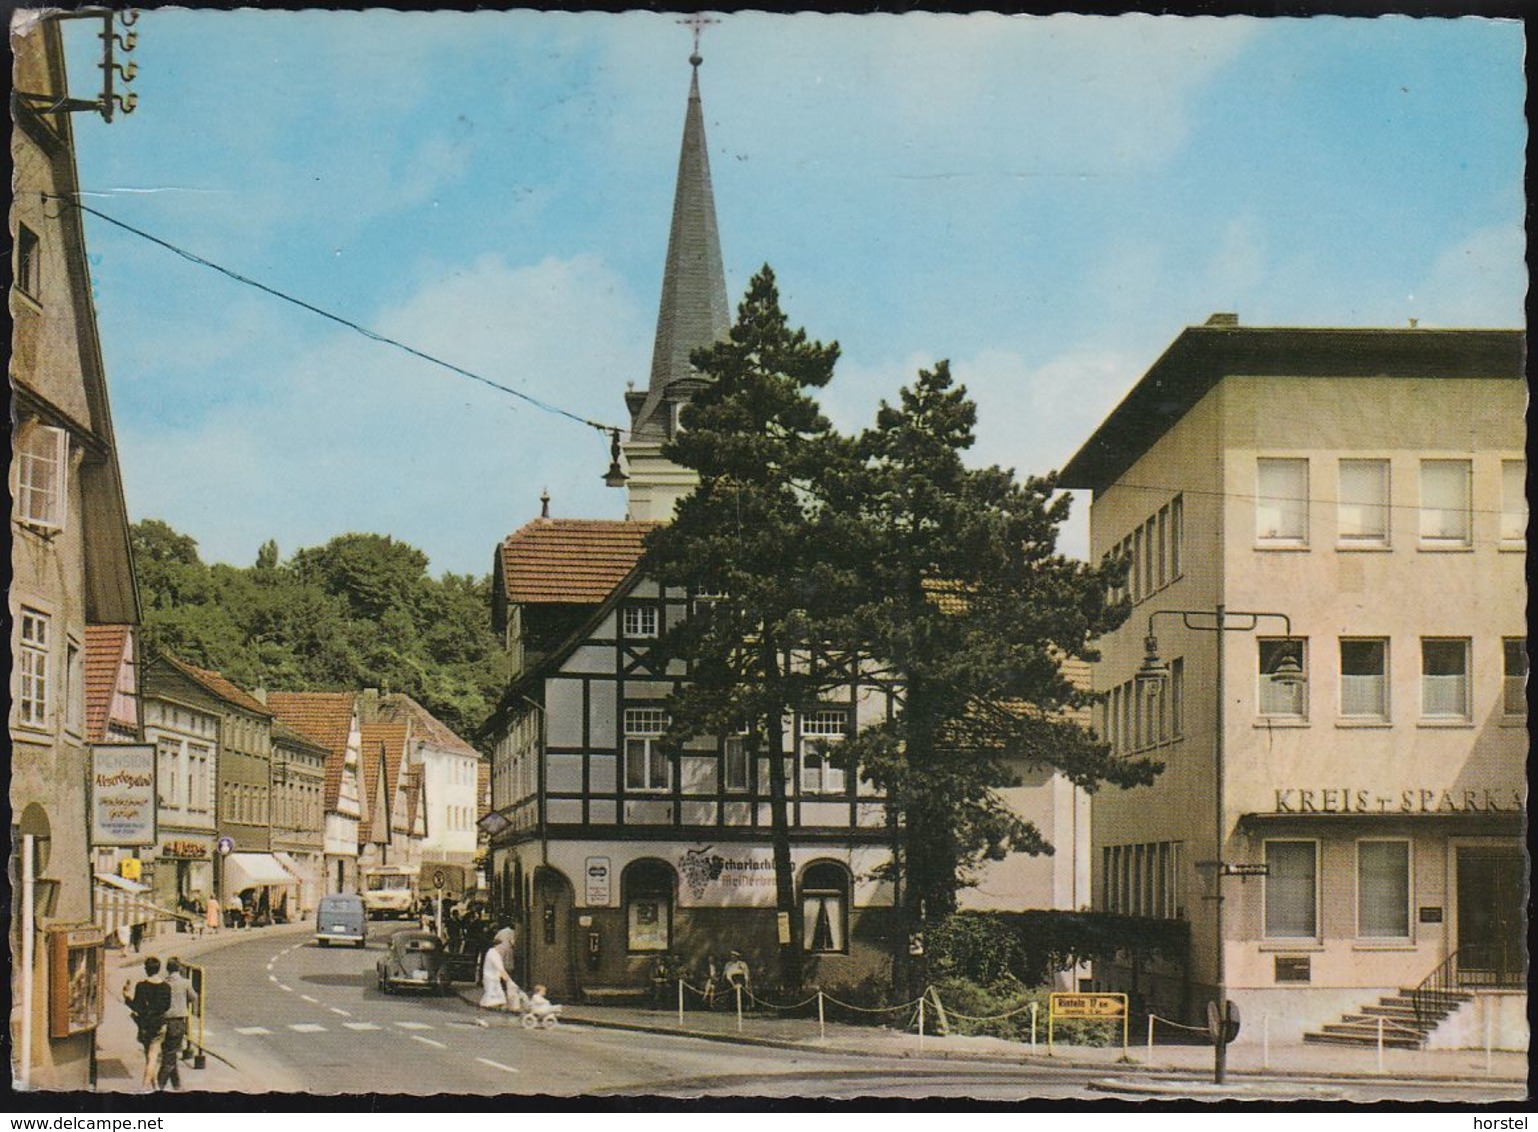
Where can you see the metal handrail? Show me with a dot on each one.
(1454, 974)
(1440, 984)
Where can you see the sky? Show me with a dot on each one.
(1044, 201)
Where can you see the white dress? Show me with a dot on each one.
(494, 979)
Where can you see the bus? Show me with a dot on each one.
(387, 891)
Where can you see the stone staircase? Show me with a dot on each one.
(1401, 1029)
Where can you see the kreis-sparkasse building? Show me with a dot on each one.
(1363, 492)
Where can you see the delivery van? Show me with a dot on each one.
(341, 919)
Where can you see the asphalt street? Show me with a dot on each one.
(297, 1017)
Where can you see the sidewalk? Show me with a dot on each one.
(120, 1061)
(1248, 1063)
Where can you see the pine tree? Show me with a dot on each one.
(755, 531)
(969, 602)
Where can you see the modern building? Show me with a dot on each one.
(1325, 533)
(330, 719)
(71, 567)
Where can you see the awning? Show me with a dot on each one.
(255, 870)
(122, 882)
(290, 866)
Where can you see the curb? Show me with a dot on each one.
(1256, 1090)
(1178, 1077)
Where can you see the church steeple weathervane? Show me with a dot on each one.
(697, 22)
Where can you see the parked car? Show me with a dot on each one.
(415, 961)
(341, 919)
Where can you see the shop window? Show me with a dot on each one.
(1514, 681)
(1284, 677)
(646, 765)
(1281, 502)
(1513, 501)
(825, 907)
(648, 887)
(1445, 678)
(1364, 678)
(1363, 508)
(1383, 889)
(1446, 503)
(1291, 886)
(42, 469)
(821, 732)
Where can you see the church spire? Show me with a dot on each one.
(693, 312)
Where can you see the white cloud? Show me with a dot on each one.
(1479, 281)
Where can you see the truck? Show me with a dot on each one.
(387, 891)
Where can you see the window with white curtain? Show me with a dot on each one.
(821, 731)
(1281, 501)
(1514, 676)
(1364, 678)
(1363, 507)
(1446, 502)
(1291, 886)
(1283, 676)
(646, 766)
(1445, 677)
(1383, 889)
(825, 907)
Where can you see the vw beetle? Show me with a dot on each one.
(414, 960)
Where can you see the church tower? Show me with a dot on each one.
(693, 313)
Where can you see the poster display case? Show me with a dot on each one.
(76, 973)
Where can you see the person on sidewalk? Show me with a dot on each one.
(184, 1003)
(149, 1003)
(211, 918)
(498, 991)
(735, 975)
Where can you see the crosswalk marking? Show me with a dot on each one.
(413, 1025)
(339, 1010)
(496, 1065)
(289, 989)
(428, 1041)
(307, 1028)
(249, 1030)
(307, 998)
(272, 978)
(360, 1025)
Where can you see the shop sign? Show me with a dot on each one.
(702, 868)
(1349, 800)
(596, 875)
(122, 794)
(184, 850)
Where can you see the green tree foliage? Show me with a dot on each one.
(359, 612)
(974, 610)
(751, 531)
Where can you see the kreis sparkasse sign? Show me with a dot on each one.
(1350, 800)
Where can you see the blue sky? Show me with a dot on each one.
(1047, 202)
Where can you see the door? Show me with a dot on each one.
(1492, 926)
(549, 935)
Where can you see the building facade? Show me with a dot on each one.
(298, 815)
(71, 561)
(182, 720)
(1339, 515)
(330, 719)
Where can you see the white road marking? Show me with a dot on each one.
(339, 1010)
(307, 998)
(307, 1028)
(413, 1025)
(428, 1041)
(497, 1065)
(249, 1030)
(289, 989)
(272, 978)
(270, 963)
(360, 1025)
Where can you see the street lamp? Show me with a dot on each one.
(1287, 672)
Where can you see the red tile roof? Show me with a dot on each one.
(391, 738)
(105, 646)
(324, 718)
(398, 707)
(217, 685)
(570, 560)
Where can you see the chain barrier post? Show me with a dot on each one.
(1033, 1027)
(738, 988)
(822, 1028)
(921, 1023)
(1150, 1038)
(680, 1003)
(1265, 1041)
(1380, 1043)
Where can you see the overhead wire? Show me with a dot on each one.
(372, 335)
